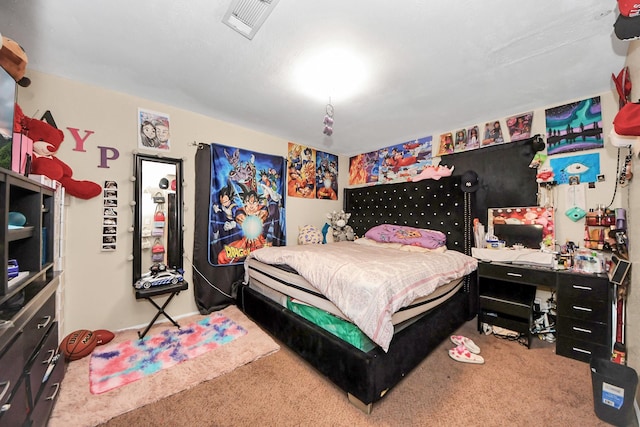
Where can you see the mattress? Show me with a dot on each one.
(279, 282)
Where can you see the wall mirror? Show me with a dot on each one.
(158, 218)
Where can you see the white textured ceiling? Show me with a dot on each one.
(434, 65)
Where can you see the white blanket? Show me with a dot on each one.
(368, 284)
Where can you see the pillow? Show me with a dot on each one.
(370, 242)
(389, 233)
(309, 235)
(407, 248)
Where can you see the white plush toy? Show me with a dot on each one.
(338, 223)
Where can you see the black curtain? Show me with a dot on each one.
(213, 286)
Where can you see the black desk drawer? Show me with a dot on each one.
(595, 332)
(585, 309)
(41, 359)
(516, 274)
(581, 350)
(38, 325)
(582, 288)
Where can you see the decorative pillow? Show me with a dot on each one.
(309, 235)
(389, 233)
(407, 248)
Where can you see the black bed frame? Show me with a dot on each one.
(366, 377)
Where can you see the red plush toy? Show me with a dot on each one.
(46, 142)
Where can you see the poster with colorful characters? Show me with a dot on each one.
(576, 169)
(520, 126)
(574, 127)
(247, 204)
(364, 168)
(492, 133)
(400, 162)
(301, 171)
(326, 176)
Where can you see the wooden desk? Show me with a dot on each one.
(584, 305)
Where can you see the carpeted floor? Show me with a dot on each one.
(515, 387)
(76, 406)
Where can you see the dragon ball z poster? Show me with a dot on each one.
(247, 204)
(301, 171)
(401, 162)
(326, 176)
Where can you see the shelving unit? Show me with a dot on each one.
(28, 324)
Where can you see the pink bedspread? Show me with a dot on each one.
(368, 283)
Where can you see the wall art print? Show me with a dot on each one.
(326, 176)
(492, 133)
(400, 162)
(301, 171)
(153, 130)
(576, 169)
(520, 126)
(574, 127)
(364, 168)
(247, 204)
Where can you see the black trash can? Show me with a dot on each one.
(614, 392)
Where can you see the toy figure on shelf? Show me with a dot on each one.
(46, 142)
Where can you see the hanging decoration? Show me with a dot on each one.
(328, 119)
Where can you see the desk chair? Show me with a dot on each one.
(149, 293)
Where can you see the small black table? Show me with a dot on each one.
(149, 293)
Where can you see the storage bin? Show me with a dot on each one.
(614, 392)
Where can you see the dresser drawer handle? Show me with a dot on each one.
(47, 319)
(5, 388)
(514, 274)
(48, 360)
(587, 331)
(55, 392)
(580, 350)
(577, 307)
(582, 288)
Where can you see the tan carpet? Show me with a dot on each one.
(515, 387)
(76, 406)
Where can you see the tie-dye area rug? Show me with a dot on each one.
(118, 364)
(77, 406)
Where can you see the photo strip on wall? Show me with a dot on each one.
(109, 215)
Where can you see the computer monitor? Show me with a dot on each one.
(527, 235)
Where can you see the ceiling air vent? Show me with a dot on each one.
(247, 16)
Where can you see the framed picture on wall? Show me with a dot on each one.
(153, 130)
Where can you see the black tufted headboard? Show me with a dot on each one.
(433, 204)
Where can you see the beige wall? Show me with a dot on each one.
(633, 301)
(97, 285)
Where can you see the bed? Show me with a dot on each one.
(366, 374)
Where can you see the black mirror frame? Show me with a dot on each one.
(175, 234)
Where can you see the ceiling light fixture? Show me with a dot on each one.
(247, 16)
(338, 72)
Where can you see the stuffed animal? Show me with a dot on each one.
(46, 142)
(338, 223)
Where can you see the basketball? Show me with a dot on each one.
(103, 336)
(78, 344)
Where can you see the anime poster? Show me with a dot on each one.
(576, 169)
(326, 176)
(520, 126)
(446, 144)
(473, 138)
(301, 171)
(574, 127)
(400, 162)
(247, 209)
(364, 168)
(153, 130)
(492, 134)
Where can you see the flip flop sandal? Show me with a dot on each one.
(461, 354)
(460, 340)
